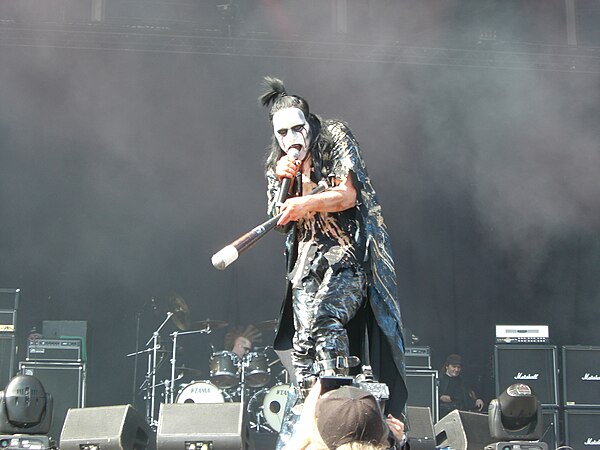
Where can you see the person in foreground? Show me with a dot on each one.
(347, 418)
(340, 271)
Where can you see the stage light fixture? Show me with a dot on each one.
(515, 418)
(25, 415)
(25, 407)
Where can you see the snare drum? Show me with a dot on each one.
(257, 371)
(200, 392)
(274, 405)
(224, 369)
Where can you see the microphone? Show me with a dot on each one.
(285, 183)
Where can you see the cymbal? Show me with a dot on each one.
(181, 312)
(208, 323)
(267, 325)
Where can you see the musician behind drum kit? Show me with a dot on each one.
(242, 346)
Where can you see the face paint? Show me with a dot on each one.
(292, 130)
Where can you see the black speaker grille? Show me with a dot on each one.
(533, 365)
(7, 359)
(582, 428)
(581, 376)
(66, 384)
(422, 388)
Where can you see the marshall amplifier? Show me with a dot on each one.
(581, 376)
(68, 350)
(533, 365)
(582, 428)
(422, 388)
(417, 357)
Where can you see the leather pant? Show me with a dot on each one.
(323, 304)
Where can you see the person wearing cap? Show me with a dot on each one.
(347, 418)
(454, 393)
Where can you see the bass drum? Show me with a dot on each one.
(273, 405)
(200, 392)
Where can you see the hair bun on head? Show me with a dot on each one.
(273, 88)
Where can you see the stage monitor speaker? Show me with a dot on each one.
(218, 426)
(421, 433)
(581, 376)
(462, 430)
(66, 383)
(533, 365)
(106, 428)
(422, 388)
(7, 358)
(582, 428)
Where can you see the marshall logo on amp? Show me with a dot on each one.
(588, 377)
(592, 441)
(526, 376)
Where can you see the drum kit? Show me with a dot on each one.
(256, 379)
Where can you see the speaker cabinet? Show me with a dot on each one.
(533, 365)
(218, 426)
(582, 428)
(9, 305)
(551, 431)
(422, 388)
(581, 376)
(461, 430)
(66, 383)
(106, 428)
(420, 431)
(7, 358)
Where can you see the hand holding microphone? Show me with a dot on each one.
(286, 169)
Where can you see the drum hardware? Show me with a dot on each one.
(149, 384)
(170, 391)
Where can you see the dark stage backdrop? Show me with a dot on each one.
(121, 173)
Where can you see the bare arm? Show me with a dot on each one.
(336, 199)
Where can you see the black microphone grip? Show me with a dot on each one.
(284, 188)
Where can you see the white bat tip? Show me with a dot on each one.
(224, 257)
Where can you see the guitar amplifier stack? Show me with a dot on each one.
(574, 396)
(581, 395)
(421, 381)
(59, 362)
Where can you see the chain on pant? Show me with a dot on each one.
(322, 307)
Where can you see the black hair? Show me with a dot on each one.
(276, 98)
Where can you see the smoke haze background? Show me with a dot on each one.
(122, 172)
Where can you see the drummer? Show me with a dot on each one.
(241, 340)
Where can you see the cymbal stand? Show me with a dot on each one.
(170, 390)
(151, 374)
